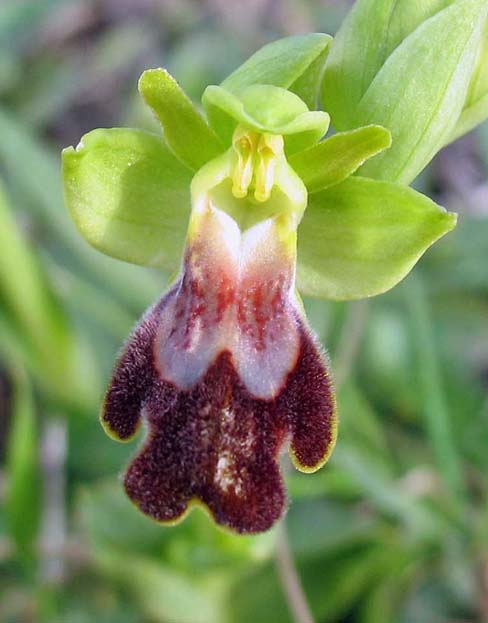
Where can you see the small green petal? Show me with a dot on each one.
(128, 195)
(282, 63)
(185, 130)
(265, 108)
(335, 159)
(361, 237)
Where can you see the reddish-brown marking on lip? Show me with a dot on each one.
(224, 371)
(216, 442)
(261, 305)
(206, 293)
(225, 297)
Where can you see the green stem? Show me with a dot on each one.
(290, 580)
(434, 404)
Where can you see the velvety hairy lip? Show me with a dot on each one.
(224, 372)
(215, 443)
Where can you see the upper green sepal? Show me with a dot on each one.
(361, 237)
(128, 195)
(265, 108)
(335, 159)
(294, 63)
(185, 130)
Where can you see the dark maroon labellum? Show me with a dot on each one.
(215, 443)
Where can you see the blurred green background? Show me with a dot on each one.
(393, 529)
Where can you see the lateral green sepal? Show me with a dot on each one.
(128, 195)
(361, 237)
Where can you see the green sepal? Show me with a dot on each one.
(419, 105)
(185, 130)
(293, 63)
(475, 109)
(128, 195)
(265, 108)
(335, 159)
(361, 237)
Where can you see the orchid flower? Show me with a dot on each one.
(250, 201)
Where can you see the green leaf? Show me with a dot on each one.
(22, 469)
(333, 585)
(164, 593)
(33, 312)
(128, 195)
(362, 424)
(361, 237)
(435, 403)
(22, 286)
(282, 63)
(265, 108)
(335, 159)
(418, 93)
(346, 528)
(387, 359)
(307, 86)
(165, 569)
(383, 493)
(384, 600)
(111, 521)
(369, 34)
(476, 106)
(185, 130)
